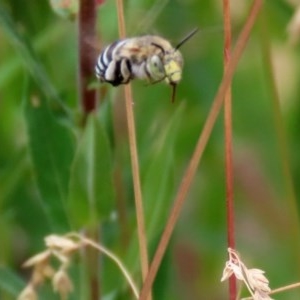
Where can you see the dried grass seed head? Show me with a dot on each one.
(62, 283)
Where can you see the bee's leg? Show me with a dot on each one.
(118, 72)
(125, 70)
(110, 73)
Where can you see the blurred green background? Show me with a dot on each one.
(56, 176)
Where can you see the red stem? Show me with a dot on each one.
(228, 146)
(86, 32)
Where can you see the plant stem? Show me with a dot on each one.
(111, 255)
(280, 290)
(134, 162)
(228, 145)
(86, 32)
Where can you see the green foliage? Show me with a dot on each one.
(58, 175)
(158, 187)
(91, 190)
(10, 283)
(52, 150)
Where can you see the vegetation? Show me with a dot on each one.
(67, 161)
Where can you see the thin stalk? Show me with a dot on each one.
(134, 161)
(228, 146)
(280, 290)
(201, 144)
(285, 288)
(86, 32)
(112, 256)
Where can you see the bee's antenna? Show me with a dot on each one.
(173, 92)
(187, 38)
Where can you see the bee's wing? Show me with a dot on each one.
(140, 47)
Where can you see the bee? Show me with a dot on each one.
(148, 57)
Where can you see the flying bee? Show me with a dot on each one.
(148, 57)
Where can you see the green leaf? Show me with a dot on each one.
(31, 60)
(157, 185)
(52, 150)
(91, 192)
(10, 282)
(158, 181)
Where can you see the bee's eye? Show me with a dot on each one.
(155, 68)
(156, 61)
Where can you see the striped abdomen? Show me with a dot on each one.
(113, 68)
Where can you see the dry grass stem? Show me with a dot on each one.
(134, 159)
(113, 257)
(281, 289)
(286, 288)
